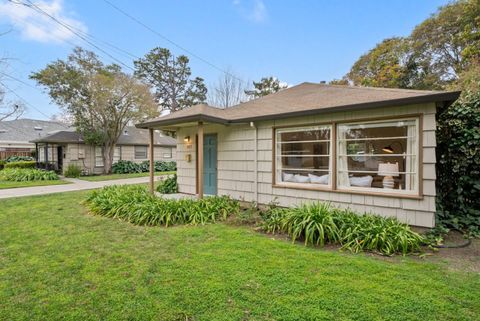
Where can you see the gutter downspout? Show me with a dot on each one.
(255, 161)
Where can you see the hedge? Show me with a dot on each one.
(126, 167)
(20, 164)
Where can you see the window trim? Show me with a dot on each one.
(333, 186)
(95, 156)
(135, 152)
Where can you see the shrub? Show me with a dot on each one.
(73, 171)
(133, 203)
(319, 223)
(458, 166)
(27, 174)
(126, 167)
(2, 164)
(20, 164)
(19, 159)
(168, 185)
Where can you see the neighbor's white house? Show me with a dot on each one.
(369, 149)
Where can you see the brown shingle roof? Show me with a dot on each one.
(133, 136)
(304, 99)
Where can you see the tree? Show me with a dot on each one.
(228, 91)
(340, 82)
(449, 40)
(100, 99)
(266, 86)
(170, 78)
(8, 109)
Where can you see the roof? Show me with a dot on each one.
(301, 100)
(25, 130)
(131, 136)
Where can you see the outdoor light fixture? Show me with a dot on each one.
(187, 139)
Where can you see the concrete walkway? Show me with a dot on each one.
(76, 185)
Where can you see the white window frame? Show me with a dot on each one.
(415, 154)
(98, 156)
(277, 156)
(135, 151)
(168, 155)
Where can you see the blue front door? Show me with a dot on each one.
(210, 164)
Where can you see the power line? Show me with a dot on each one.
(22, 99)
(71, 29)
(170, 41)
(19, 80)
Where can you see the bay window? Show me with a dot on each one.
(303, 155)
(370, 156)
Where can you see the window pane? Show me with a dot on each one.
(116, 154)
(98, 156)
(303, 155)
(378, 155)
(140, 152)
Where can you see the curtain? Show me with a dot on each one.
(410, 179)
(342, 161)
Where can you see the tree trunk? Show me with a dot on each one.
(108, 150)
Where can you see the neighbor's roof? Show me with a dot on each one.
(25, 130)
(131, 136)
(301, 100)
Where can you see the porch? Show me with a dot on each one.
(49, 156)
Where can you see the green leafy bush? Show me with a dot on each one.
(168, 185)
(27, 174)
(73, 171)
(126, 167)
(2, 164)
(319, 224)
(458, 166)
(20, 164)
(134, 204)
(19, 159)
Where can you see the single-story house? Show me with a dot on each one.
(15, 135)
(64, 147)
(368, 149)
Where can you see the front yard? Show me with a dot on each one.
(12, 184)
(59, 262)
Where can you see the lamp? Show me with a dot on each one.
(389, 170)
(389, 148)
(187, 139)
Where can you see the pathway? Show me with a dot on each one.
(77, 185)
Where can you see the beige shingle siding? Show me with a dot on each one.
(236, 166)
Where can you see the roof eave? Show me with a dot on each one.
(179, 120)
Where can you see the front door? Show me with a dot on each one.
(60, 158)
(210, 164)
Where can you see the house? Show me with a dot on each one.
(368, 149)
(15, 135)
(64, 147)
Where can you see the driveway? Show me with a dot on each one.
(77, 185)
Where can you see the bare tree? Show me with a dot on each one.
(229, 90)
(8, 109)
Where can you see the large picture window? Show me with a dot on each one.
(370, 156)
(140, 152)
(377, 156)
(303, 155)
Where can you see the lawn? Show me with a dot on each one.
(96, 178)
(11, 184)
(59, 262)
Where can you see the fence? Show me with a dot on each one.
(6, 154)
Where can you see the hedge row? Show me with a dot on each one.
(125, 167)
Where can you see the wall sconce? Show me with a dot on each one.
(187, 139)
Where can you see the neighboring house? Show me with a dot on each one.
(65, 147)
(369, 149)
(15, 135)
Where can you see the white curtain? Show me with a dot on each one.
(342, 161)
(411, 161)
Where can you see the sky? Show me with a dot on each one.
(295, 41)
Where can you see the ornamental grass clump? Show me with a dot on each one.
(135, 205)
(27, 174)
(320, 224)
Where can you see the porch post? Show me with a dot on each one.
(200, 159)
(46, 156)
(37, 157)
(152, 167)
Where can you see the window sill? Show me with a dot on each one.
(328, 188)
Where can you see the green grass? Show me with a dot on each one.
(59, 262)
(11, 184)
(96, 178)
